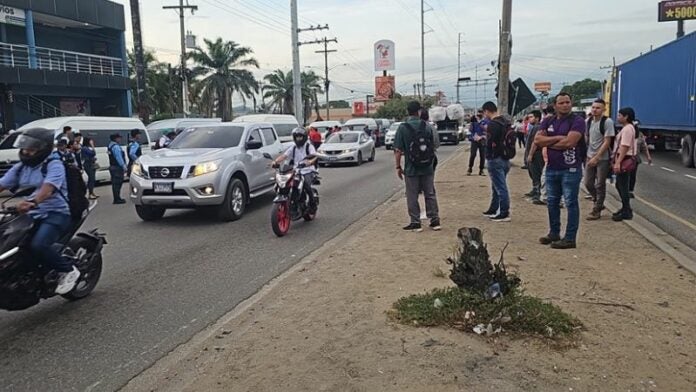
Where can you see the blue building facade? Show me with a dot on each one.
(61, 58)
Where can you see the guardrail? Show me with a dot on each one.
(60, 60)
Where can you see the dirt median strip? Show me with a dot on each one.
(324, 328)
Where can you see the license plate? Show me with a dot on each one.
(445, 138)
(163, 187)
(333, 158)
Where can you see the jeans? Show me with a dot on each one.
(308, 182)
(414, 186)
(623, 184)
(565, 183)
(477, 147)
(116, 181)
(91, 172)
(596, 182)
(498, 170)
(49, 230)
(536, 169)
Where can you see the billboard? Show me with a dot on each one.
(384, 88)
(358, 109)
(385, 58)
(542, 87)
(670, 11)
(11, 15)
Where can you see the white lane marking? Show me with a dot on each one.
(668, 169)
(690, 176)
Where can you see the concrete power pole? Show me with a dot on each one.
(459, 64)
(296, 74)
(505, 54)
(326, 52)
(140, 66)
(423, 48)
(184, 78)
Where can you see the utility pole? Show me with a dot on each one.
(184, 82)
(296, 75)
(476, 89)
(505, 54)
(326, 52)
(423, 46)
(459, 64)
(140, 66)
(680, 28)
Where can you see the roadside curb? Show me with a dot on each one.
(149, 380)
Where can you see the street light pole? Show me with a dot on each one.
(184, 82)
(296, 74)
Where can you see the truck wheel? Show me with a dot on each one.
(149, 214)
(687, 151)
(235, 201)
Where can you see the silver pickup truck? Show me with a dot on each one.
(214, 166)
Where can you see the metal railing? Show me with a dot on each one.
(38, 107)
(60, 60)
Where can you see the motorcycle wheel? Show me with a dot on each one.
(89, 274)
(280, 219)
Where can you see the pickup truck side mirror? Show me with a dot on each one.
(267, 156)
(253, 145)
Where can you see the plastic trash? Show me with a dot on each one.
(437, 304)
(437, 113)
(493, 291)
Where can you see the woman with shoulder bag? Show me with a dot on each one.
(625, 161)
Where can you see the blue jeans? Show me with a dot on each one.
(565, 183)
(49, 230)
(498, 169)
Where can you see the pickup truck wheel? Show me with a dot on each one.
(234, 205)
(149, 213)
(687, 151)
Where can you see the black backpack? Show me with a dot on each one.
(602, 130)
(77, 190)
(421, 149)
(509, 148)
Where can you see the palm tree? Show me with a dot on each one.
(221, 65)
(279, 89)
(311, 88)
(162, 87)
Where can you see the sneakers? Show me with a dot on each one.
(596, 214)
(490, 213)
(121, 201)
(621, 217)
(435, 225)
(563, 244)
(481, 173)
(589, 197)
(531, 193)
(93, 196)
(631, 195)
(468, 172)
(414, 227)
(549, 239)
(501, 218)
(539, 202)
(67, 281)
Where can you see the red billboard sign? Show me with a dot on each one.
(384, 88)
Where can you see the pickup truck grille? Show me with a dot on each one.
(165, 171)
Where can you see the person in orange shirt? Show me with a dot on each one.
(314, 137)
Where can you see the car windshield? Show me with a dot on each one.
(323, 129)
(343, 138)
(394, 127)
(355, 127)
(284, 129)
(208, 137)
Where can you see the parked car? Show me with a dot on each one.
(384, 126)
(218, 166)
(347, 147)
(157, 129)
(98, 129)
(324, 126)
(282, 123)
(391, 134)
(369, 125)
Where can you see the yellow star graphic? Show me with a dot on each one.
(670, 13)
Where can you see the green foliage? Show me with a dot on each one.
(583, 89)
(340, 104)
(279, 89)
(394, 108)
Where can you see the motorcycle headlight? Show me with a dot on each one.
(282, 179)
(205, 168)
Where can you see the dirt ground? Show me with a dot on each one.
(324, 328)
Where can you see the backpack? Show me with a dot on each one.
(602, 130)
(509, 149)
(77, 190)
(421, 150)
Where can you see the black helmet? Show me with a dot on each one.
(39, 139)
(299, 135)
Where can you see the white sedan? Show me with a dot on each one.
(347, 147)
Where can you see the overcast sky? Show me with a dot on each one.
(557, 41)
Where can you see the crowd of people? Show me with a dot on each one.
(562, 150)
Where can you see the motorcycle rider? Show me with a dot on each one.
(41, 168)
(299, 153)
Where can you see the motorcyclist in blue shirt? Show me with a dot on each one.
(42, 169)
(117, 166)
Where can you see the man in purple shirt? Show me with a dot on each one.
(564, 135)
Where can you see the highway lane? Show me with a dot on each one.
(167, 280)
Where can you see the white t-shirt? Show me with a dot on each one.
(300, 153)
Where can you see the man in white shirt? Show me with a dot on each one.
(299, 153)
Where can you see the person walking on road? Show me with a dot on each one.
(600, 135)
(625, 149)
(564, 136)
(117, 167)
(415, 141)
(498, 164)
(477, 137)
(535, 158)
(642, 149)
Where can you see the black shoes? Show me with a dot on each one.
(120, 201)
(563, 244)
(435, 225)
(468, 172)
(414, 227)
(481, 173)
(549, 239)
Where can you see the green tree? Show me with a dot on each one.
(394, 108)
(583, 89)
(221, 64)
(279, 89)
(161, 85)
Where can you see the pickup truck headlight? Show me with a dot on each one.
(205, 168)
(138, 170)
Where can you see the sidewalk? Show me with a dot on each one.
(324, 328)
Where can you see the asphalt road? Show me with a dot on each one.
(165, 281)
(666, 196)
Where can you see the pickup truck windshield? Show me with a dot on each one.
(209, 137)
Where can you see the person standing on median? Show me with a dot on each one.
(498, 165)
(415, 141)
(117, 167)
(564, 137)
(477, 137)
(600, 133)
(535, 158)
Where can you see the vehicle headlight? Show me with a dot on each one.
(205, 168)
(282, 179)
(138, 170)
(348, 151)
